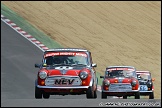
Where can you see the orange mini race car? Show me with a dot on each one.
(120, 81)
(66, 71)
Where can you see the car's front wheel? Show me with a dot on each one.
(46, 95)
(151, 96)
(90, 93)
(124, 97)
(137, 95)
(103, 95)
(38, 93)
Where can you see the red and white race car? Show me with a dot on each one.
(146, 83)
(66, 71)
(120, 81)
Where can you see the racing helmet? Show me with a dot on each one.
(49, 60)
(120, 73)
(57, 60)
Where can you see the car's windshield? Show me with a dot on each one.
(66, 58)
(143, 76)
(120, 73)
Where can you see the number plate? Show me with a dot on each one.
(143, 88)
(62, 81)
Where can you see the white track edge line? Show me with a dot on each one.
(22, 35)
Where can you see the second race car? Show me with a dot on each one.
(120, 81)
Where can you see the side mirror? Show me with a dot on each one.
(153, 79)
(37, 65)
(138, 78)
(101, 76)
(94, 65)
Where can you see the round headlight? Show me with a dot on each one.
(106, 82)
(83, 75)
(42, 75)
(149, 84)
(134, 82)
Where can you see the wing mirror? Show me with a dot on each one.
(37, 65)
(139, 77)
(94, 65)
(101, 76)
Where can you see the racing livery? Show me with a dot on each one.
(146, 83)
(120, 81)
(66, 71)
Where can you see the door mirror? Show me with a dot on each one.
(37, 65)
(101, 76)
(94, 65)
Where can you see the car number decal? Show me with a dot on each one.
(143, 88)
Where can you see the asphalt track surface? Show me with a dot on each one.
(18, 56)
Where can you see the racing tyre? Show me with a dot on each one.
(151, 96)
(46, 95)
(38, 93)
(124, 97)
(103, 95)
(137, 95)
(90, 93)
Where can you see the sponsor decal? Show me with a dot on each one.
(65, 53)
(120, 69)
(63, 68)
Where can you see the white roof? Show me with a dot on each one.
(120, 66)
(142, 71)
(66, 49)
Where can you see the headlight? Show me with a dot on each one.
(106, 82)
(134, 82)
(83, 75)
(42, 75)
(149, 84)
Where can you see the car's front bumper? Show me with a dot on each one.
(65, 87)
(64, 90)
(120, 93)
(145, 93)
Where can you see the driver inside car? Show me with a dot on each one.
(57, 61)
